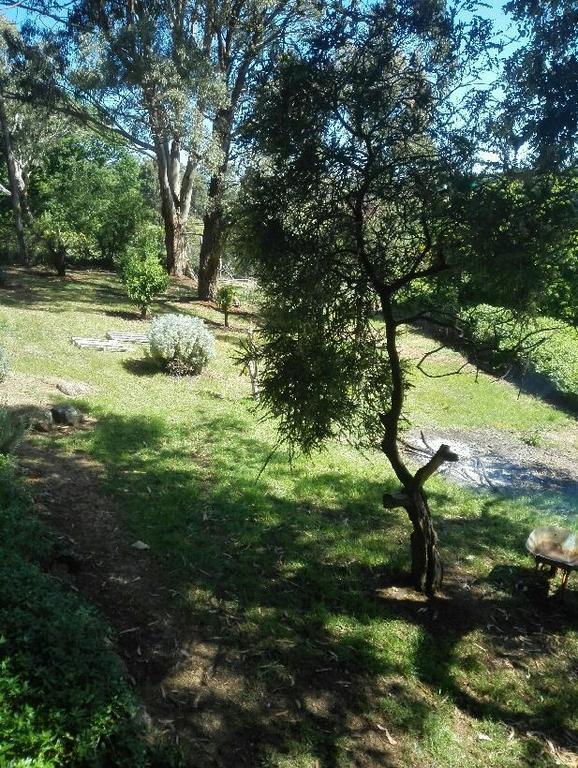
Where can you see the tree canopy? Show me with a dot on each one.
(363, 170)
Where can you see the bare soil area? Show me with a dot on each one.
(498, 461)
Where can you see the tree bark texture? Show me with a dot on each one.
(426, 564)
(176, 187)
(212, 244)
(16, 182)
(214, 219)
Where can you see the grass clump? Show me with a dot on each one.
(4, 365)
(63, 697)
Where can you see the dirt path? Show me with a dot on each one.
(196, 692)
(97, 558)
(498, 461)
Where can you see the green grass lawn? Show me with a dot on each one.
(332, 663)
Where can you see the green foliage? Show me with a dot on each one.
(142, 269)
(225, 299)
(359, 194)
(88, 201)
(540, 110)
(541, 345)
(63, 696)
(183, 344)
(520, 232)
(4, 365)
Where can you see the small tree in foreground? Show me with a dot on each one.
(364, 162)
(142, 270)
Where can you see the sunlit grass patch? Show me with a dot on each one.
(296, 567)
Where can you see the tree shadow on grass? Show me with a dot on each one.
(125, 315)
(292, 584)
(93, 292)
(142, 366)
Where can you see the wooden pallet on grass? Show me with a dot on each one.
(104, 345)
(127, 337)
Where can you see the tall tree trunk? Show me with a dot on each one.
(214, 219)
(175, 241)
(426, 564)
(16, 181)
(212, 243)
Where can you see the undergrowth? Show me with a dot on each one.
(64, 699)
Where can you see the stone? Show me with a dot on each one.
(67, 415)
(73, 388)
(140, 545)
(42, 421)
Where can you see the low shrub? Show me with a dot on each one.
(4, 365)
(225, 300)
(64, 700)
(182, 344)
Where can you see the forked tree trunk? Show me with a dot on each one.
(175, 186)
(426, 564)
(16, 184)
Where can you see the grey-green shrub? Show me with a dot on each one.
(181, 343)
(4, 365)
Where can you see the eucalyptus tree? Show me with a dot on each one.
(11, 122)
(541, 111)
(364, 157)
(170, 76)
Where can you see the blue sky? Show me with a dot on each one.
(494, 11)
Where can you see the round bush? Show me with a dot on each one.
(4, 365)
(144, 277)
(181, 343)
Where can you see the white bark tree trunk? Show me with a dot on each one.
(17, 185)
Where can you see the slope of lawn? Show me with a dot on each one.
(296, 570)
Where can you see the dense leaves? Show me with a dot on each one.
(358, 191)
(142, 268)
(88, 201)
(541, 111)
